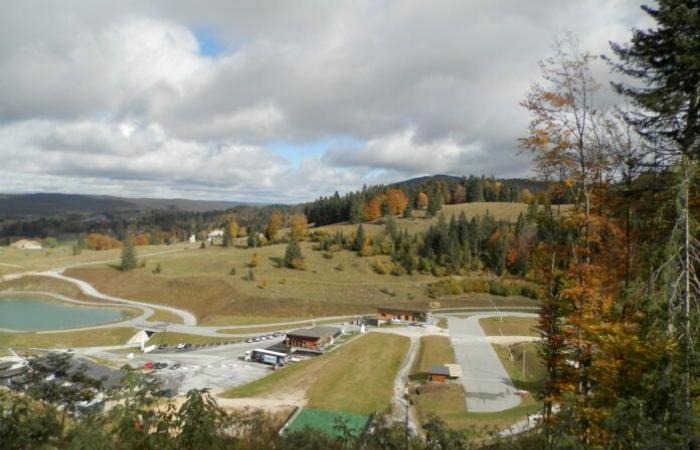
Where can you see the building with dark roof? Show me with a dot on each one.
(311, 338)
(444, 372)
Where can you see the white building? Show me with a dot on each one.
(26, 244)
(192, 239)
(215, 234)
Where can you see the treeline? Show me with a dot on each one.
(428, 193)
(457, 246)
(161, 226)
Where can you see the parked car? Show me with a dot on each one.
(160, 365)
(162, 346)
(175, 366)
(180, 346)
(147, 365)
(277, 334)
(249, 341)
(256, 339)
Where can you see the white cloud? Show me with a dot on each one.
(115, 95)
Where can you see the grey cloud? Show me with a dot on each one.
(447, 74)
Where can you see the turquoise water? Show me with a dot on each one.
(35, 314)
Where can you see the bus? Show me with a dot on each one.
(267, 356)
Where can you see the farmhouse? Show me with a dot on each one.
(26, 244)
(311, 338)
(444, 373)
(404, 314)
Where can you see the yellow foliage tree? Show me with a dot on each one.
(298, 225)
(273, 226)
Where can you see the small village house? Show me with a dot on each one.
(444, 373)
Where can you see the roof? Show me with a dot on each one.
(403, 308)
(315, 332)
(439, 370)
(269, 352)
(455, 370)
(448, 370)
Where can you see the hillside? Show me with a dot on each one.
(46, 204)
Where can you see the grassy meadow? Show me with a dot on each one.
(356, 378)
(447, 400)
(500, 210)
(215, 283)
(433, 350)
(85, 338)
(509, 326)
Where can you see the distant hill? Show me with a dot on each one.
(46, 204)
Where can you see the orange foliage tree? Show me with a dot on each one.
(372, 210)
(140, 239)
(396, 200)
(96, 241)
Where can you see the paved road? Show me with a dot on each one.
(486, 382)
(400, 414)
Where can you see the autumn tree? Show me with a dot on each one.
(96, 241)
(273, 226)
(422, 200)
(396, 201)
(230, 234)
(297, 226)
(372, 209)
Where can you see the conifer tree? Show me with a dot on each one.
(128, 260)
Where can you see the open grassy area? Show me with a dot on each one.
(507, 211)
(433, 350)
(17, 260)
(85, 338)
(534, 372)
(356, 378)
(200, 281)
(160, 315)
(509, 326)
(447, 401)
(171, 338)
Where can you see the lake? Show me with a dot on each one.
(36, 314)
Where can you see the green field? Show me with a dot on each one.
(199, 280)
(500, 210)
(327, 421)
(357, 378)
(433, 350)
(447, 401)
(16, 260)
(214, 283)
(509, 326)
(85, 338)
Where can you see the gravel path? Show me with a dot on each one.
(486, 382)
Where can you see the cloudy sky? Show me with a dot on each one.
(273, 100)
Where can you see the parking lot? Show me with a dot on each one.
(196, 367)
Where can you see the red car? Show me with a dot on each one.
(148, 365)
